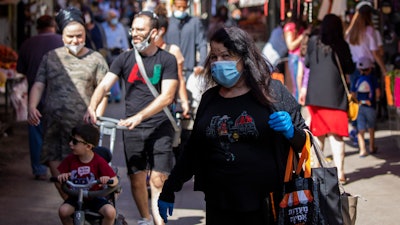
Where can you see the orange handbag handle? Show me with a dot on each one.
(304, 159)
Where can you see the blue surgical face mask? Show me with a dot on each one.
(225, 73)
(180, 14)
(114, 21)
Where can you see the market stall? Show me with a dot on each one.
(13, 90)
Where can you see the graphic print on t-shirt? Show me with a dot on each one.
(82, 175)
(364, 88)
(135, 75)
(229, 130)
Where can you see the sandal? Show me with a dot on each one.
(374, 150)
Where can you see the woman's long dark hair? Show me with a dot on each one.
(331, 30)
(331, 41)
(256, 71)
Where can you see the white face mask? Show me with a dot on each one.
(142, 45)
(88, 19)
(75, 49)
(180, 14)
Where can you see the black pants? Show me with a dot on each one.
(216, 216)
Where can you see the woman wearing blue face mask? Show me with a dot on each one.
(244, 127)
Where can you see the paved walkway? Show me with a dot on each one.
(376, 179)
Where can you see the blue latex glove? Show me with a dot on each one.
(282, 122)
(163, 207)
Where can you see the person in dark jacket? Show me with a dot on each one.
(245, 125)
(188, 33)
(326, 98)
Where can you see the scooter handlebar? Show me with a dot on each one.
(109, 123)
(72, 189)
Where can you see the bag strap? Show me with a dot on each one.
(289, 165)
(304, 159)
(153, 89)
(318, 152)
(342, 74)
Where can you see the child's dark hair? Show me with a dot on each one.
(88, 133)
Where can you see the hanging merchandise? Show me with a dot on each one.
(396, 91)
(324, 9)
(339, 8)
(266, 7)
(310, 11)
(19, 99)
(250, 3)
(307, 11)
(298, 8)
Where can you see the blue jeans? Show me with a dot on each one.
(366, 118)
(293, 64)
(35, 148)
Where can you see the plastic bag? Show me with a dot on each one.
(19, 99)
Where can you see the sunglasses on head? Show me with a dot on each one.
(76, 141)
(149, 13)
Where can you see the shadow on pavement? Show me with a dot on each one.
(389, 156)
(186, 220)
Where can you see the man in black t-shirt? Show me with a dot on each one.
(148, 143)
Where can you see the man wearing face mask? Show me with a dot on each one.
(96, 38)
(148, 142)
(116, 36)
(67, 76)
(188, 33)
(117, 42)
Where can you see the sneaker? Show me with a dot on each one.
(353, 137)
(145, 221)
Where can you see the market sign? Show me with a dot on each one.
(248, 3)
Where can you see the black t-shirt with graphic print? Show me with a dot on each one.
(160, 66)
(241, 162)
